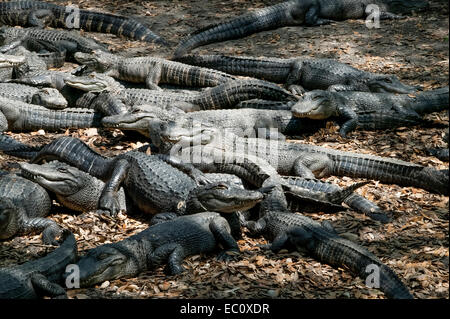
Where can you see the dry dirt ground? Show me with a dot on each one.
(415, 244)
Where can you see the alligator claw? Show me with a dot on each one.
(228, 255)
(109, 205)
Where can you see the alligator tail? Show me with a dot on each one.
(265, 19)
(75, 152)
(341, 195)
(11, 146)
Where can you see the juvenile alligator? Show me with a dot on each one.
(40, 277)
(169, 241)
(223, 96)
(311, 161)
(73, 188)
(371, 110)
(71, 41)
(20, 116)
(302, 73)
(48, 97)
(23, 208)
(290, 230)
(154, 183)
(149, 120)
(294, 13)
(29, 13)
(151, 70)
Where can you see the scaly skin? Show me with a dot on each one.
(11, 146)
(371, 110)
(40, 277)
(48, 97)
(23, 208)
(226, 95)
(292, 13)
(286, 229)
(302, 73)
(19, 116)
(169, 241)
(314, 161)
(154, 183)
(151, 70)
(31, 13)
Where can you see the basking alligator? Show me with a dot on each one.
(313, 161)
(169, 241)
(20, 116)
(226, 95)
(302, 73)
(23, 208)
(48, 97)
(73, 188)
(149, 120)
(371, 110)
(151, 70)
(40, 277)
(154, 183)
(293, 13)
(30, 13)
(286, 229)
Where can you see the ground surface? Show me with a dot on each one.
(415, 245)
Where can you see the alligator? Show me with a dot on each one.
(223, 96)
(20, 116)
(71, 41)
(441, 153)
(302, 73)
(30, 13)
(371, 110)
(150, 119)
(7, 64)
(40, 277)
(153, 183)
(73, 188)
(292, 230)
(151, 70)
(23, 208)
(48, 97)
(295, 13)
(310, 161)
(11, 146)
(170, 241)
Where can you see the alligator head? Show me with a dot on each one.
(317, 105)
(50, 98)
(98, 60)
(223, 197)
(94, 82)
(9, 221)
(389, 84)
(406, 6)
(7, 61)
(110, 261)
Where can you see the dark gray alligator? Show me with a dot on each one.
(48, 97)
(310, 161)
(154, 183)
(223, 96)
(30, 13)
(371, 110)
(20, 116)
(149, 120)
(290, 230)
(169, 241)
(302, 73)
(40, 277)
(151, 70)
(23, 208)
(293, 13)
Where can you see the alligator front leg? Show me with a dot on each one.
(173, 254)
(154, 77)
(197, 175)
(312, 17)
(351, 121)
(50, 230)
(109, 199)
(312, 165)
(43, 287)
(40, 18)
(221, 231)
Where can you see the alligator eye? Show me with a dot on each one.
(62, 169)
(221, 186)
(103, 256)
(388, 80)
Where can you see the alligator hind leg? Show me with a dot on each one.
(40, 18)
(154, 77)
(50, 230)
(221, 231)
(312, 165)
(43, 287)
